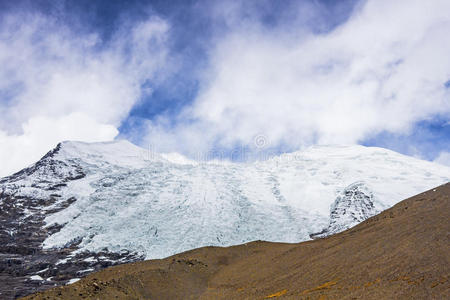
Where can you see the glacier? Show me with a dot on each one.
(115, 196)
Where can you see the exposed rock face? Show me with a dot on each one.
(26, 198)
(354, 205)
(49, 170)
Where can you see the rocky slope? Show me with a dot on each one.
(354, 205)
(84, 207)
(402, 253)
(26, 199)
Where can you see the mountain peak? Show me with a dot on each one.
(96, 204)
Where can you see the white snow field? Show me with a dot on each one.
(158, 205)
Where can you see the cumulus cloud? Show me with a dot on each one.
(384, 69)
(57, 84)
(443, 158)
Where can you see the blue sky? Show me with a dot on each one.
(200, 76)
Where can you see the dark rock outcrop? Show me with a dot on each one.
(354, 205)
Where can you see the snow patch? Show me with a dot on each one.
(73, 280)
(36, 277)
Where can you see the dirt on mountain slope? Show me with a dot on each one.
(402, 253)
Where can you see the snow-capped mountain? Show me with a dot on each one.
(92, 205)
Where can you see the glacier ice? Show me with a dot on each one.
(161, 204)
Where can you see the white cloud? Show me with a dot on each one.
(443, 158)
(382, 70)
(57, 84)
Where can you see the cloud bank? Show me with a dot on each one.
(383, 70)
(241, 74)
(57, 84)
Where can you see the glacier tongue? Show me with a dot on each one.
(157, 205)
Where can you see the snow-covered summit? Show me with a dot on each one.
(121, 153)
(126, 197)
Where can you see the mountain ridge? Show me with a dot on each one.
(84, 206)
